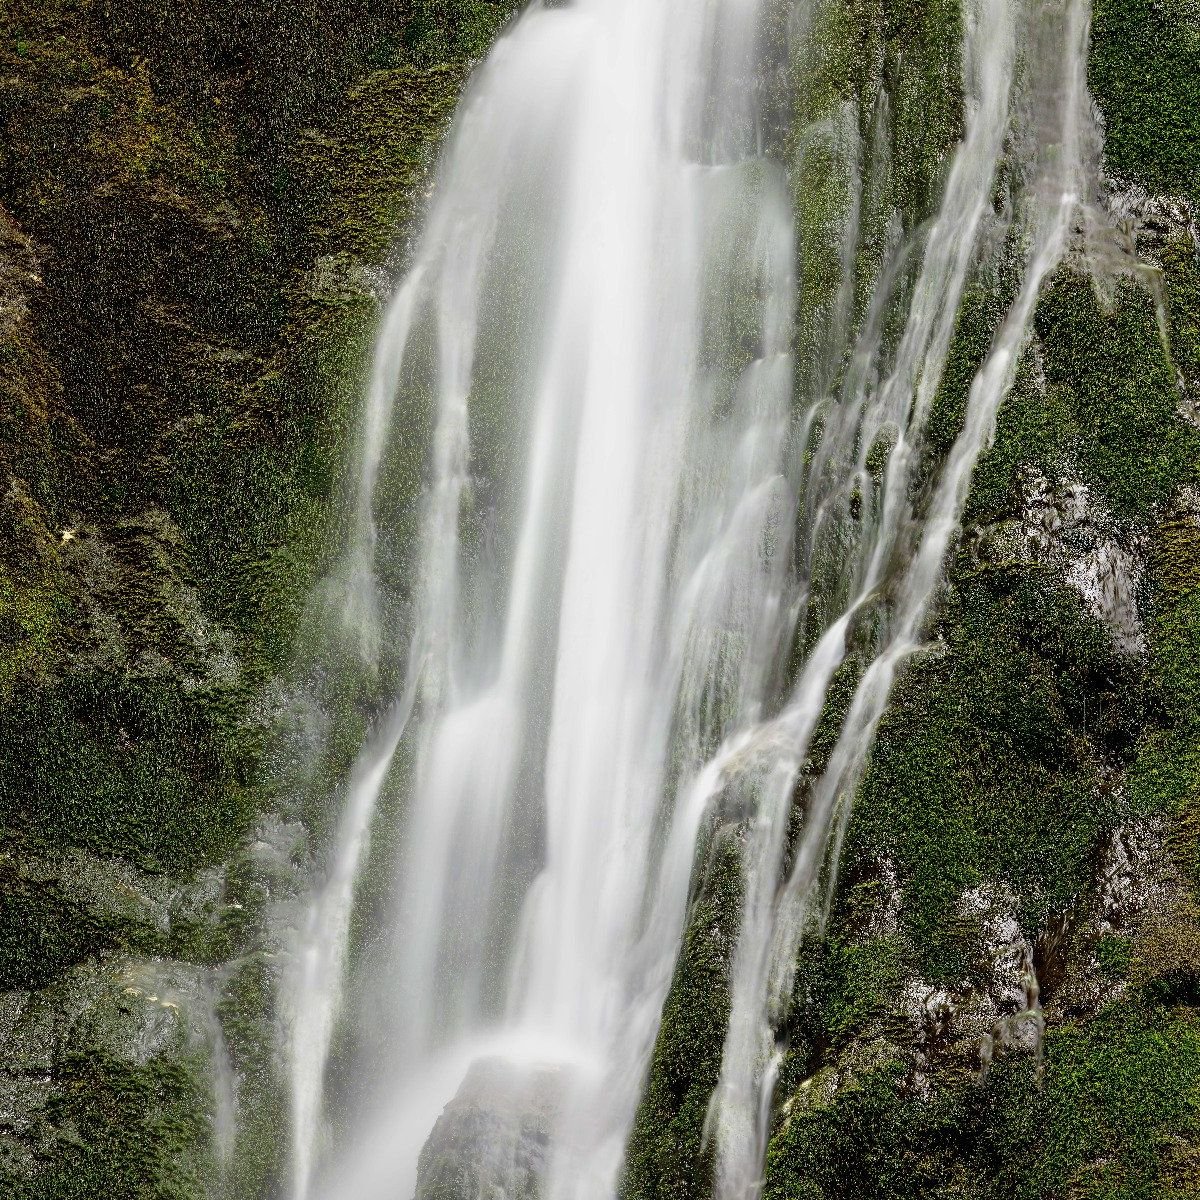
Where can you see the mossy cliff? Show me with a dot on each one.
(197, 205)
(199, 209)
(1007, 1000)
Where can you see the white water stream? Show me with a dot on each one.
(1055, 120)
(621, 521)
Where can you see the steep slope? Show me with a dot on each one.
(1004, 1000)
(199, 216)
(196, 210)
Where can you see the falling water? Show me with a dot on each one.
(596, 328)
(623, 524)
(910, 545)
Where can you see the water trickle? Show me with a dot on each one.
(775, 919)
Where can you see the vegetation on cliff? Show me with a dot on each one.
(197, 207)
(1004, 1000)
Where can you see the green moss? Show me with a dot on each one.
(126, 1130)
(1144, 71)
(248, 1016)
(855, 50)
(869, 1143)
(876, 108)
(1099, 399)
(1110, 367)
(1165, 776)
(1114, 953)
(843, 988)
(1101, 1125)
(459, 30)
(1181, 287)
(279, 448)
(380, 154)
(43, 931)
(979, 317)
(136, 769)
(921, 70)
(1117, 1092)
(984, 769)
(864, 976)
(667, 1157)
(30, 629)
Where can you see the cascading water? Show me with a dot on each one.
(895, 559)
(623, 526)
(598, 321)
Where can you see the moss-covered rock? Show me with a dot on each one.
(1145, 73)
(669, 1157)
(1010, 956)
(199, 208)
(1110, 1118)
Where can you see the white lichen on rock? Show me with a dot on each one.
(1065, 527)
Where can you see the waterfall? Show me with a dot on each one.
(596, 331)
(911, 545)
(623, 524)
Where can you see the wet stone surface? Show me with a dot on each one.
(493, 1138)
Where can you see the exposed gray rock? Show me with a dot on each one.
(1063, 526)
(492, 1140)
(1149, 221)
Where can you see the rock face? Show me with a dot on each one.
(493, 1138)
(1004, 999)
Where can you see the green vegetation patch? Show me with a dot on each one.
(135, 769)
(1109, 1121)
(985, 769)
(43, 930)
(667, 1157)
(128, 1130)
(1110, 371)
(1165, 777)
(876, 110)
(1144, 72)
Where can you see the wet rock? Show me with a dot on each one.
(493, 1138)
(1064, 526)
(1150, 221)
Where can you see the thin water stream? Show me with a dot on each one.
(896, 560)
